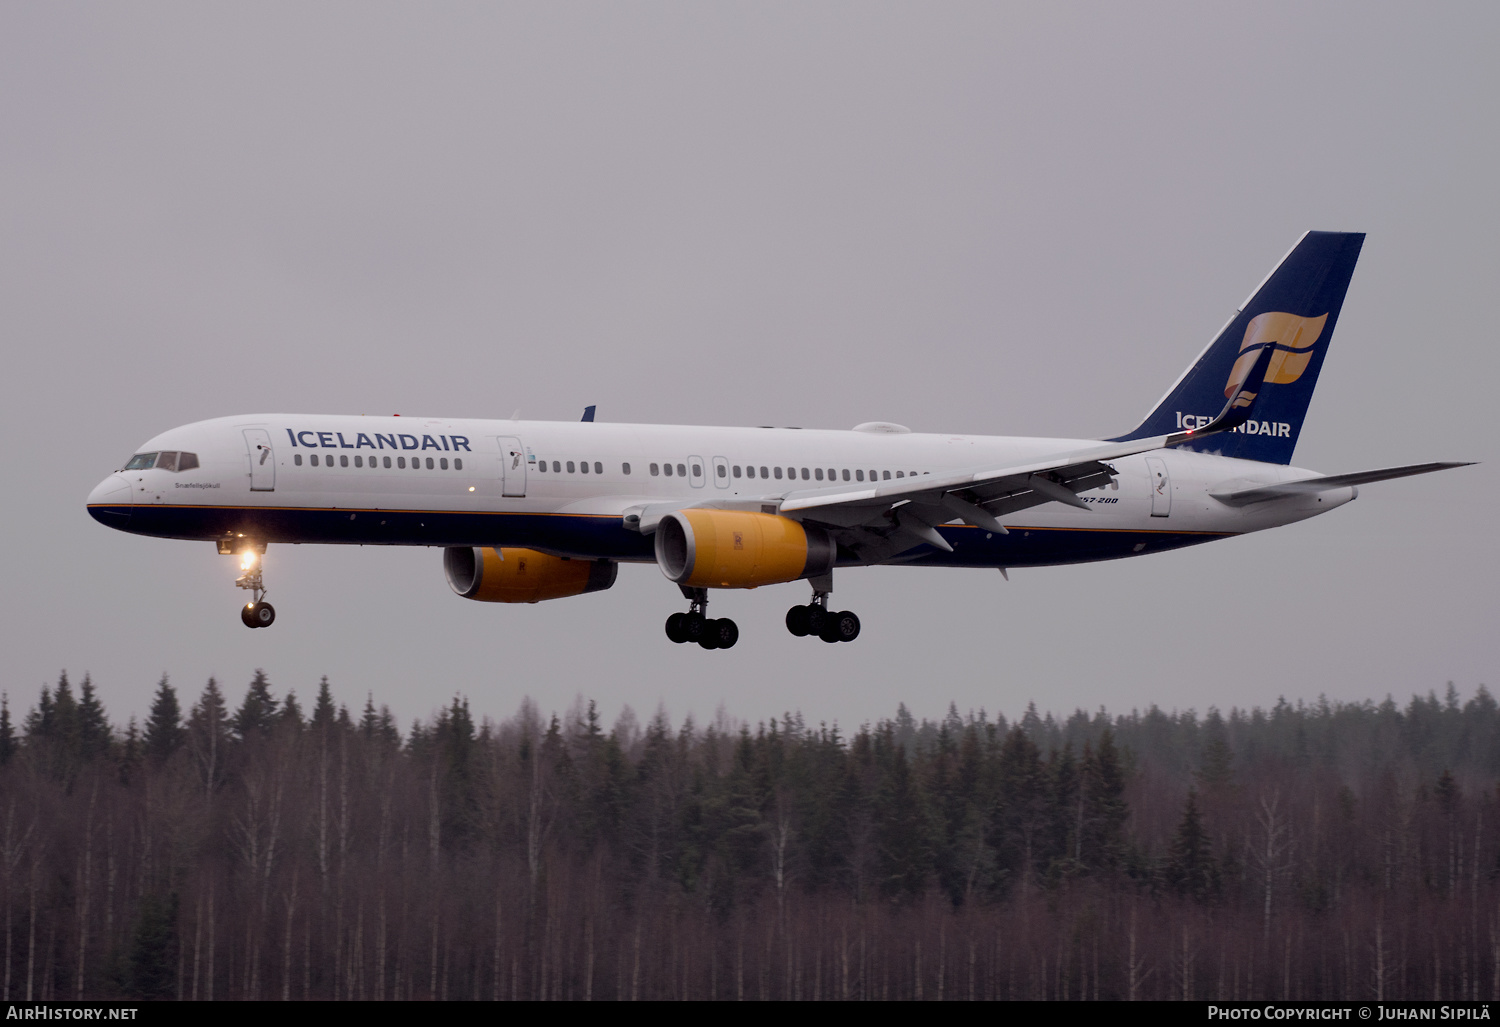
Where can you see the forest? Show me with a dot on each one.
(280, 847)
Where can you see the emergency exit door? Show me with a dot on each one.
(1161, 486)
(262, 460)
(512, 467)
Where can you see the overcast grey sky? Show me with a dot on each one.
(988, 218)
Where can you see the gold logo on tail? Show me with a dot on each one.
(1290, 336)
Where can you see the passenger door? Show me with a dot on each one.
(1161, 486)
(721, 472)
(695, 471)
(262, 460)
(512, 466)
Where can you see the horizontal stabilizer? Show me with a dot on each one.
(1308, 486)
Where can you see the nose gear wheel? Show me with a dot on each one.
(257, 613)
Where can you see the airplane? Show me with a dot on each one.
(526, 511)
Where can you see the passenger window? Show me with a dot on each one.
(721, 471)
(442, 462)
(885, 475)
(344, 460)
(625, 469)
(141, 462)
(697, 471)
(737, 471)
(900, 474)
(167, 461)
(556, 467)
(668, 469)
(846, 474)
(583, 466)
(598, 467)
(804, 474)
(541, 465)
(570, 467)
(818, 473)
(429, 464)
(187, 461)
(400, 462)
(297, 459)
(778, 474)
(681, 470)
(655, 470)
(313, 459)
(458, 463)
(832, 474)
(764, 475)
(359, 461)
(387, 462)
(858, 475)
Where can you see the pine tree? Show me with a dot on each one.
(258, 712)
(1191, 869)
(153, 949)
(129, 753)
(291, 713)
(324, 713)
(164, 731)
(7, 732)
(369, 723)
(208, 734)
(94, 734)
(1104, 806)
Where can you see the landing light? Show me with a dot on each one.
(471, 488)
(247, 561)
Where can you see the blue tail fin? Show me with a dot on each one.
(1293, 312)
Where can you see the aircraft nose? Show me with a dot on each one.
(109, 503)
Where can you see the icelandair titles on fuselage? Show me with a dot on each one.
(1280, 429)
(325, 440)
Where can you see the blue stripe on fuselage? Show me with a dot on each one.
(602, 537)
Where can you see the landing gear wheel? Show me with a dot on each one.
(817, 618)
(709, 639)
(724, 633)
(830, 632)
(693, 627)
(844, 625)
(247, 615)
(675, 630)
(796, 621)
(264, 615)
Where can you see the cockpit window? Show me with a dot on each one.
(187, 461)
(166, 460)
(141, 462)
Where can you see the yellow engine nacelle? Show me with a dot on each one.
(523, 575)
(739, 549)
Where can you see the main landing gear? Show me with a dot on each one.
(816, 619)
(258, 613)
(693, 626)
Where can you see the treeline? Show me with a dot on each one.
(268, 849)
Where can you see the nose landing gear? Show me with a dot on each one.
(816, 619)
(694, 626)
(257, 613)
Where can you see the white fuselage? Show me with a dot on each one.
(461, 482)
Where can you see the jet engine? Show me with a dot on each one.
(523, 575)
(739, 549)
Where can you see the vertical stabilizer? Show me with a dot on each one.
(1293, 313)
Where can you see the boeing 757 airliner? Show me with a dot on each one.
(532, 510)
